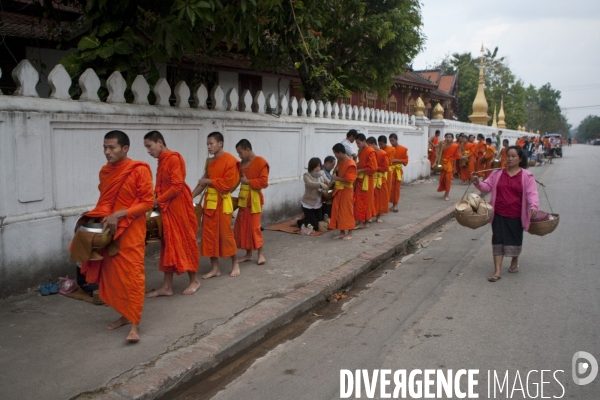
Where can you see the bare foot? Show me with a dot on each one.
(261, 260)
(235, 270)
(134, 334)
(211, 274)
(192, 287)
(379, 220)
(160, 292)
(446, 198)
(339, 236)
(247, 257)
(118, 323)
(367, 226)
(360, 226)
(347, 237)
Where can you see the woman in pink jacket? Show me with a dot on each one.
(515, 201)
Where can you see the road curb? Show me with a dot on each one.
(174, 368)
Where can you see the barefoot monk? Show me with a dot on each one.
(381, 194)
(220, 178)
(178, 247)
(125, 198)
(342, 212)
(400, 159)
(255, 177)
(450, 153)
(363, 189)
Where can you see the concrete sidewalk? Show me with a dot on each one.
(56, 347)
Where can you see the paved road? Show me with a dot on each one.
(436, 309)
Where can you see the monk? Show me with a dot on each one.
(400, 159)
(450, 153)
(381, 194)
(255, 178)
(490, 151)
(220, 178)
(521, 142)
(125, 198)
(342, 210)
(364, 188)
(433, 145)
(480, 149)
(503, 153)
(468, 153)
(179, 251)
(391, 152)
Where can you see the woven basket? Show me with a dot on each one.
(544, 227)
(463, 207)
(473, 199)
(485, 209)
(472, 221)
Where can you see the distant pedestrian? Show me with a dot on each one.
(569, 142)
(514, 200)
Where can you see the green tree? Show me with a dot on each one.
(589, 128)
(543, 111)
(337, 46)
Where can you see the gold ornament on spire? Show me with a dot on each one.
(438, 112)
(419, 107)
(494, 124)
(480, 105)
(501, 116)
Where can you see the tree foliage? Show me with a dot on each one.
(337, 46)
(589, 128)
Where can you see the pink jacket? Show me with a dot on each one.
(530, 194)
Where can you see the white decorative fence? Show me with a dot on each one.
(51, 152)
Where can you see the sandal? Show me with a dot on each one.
(494, 278)
(514, 269)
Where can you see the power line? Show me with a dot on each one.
(573, 108)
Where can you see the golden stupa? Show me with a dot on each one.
(501, 116)
(494, 124)
(480, 105)
(419, 107)
(438, 112)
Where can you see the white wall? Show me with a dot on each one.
(228, 80)
(276, 86)
(51, 153)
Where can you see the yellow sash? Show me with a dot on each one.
(365, 184)
(378, 179)
(398, 171)
(447, 164)
(342, 185)
(212, 200)
(254, 198)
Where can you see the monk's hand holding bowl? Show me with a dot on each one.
(244, 180)
(112, 221)
(324, 186)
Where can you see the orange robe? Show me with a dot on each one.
(179, 251)
(468, 150)
(381, 192)
(217, 236)
(489, 157)
(503, 157)
(247, 224)
(391, 152)
(433, 150)
(121, 280)
(520, 143)
(396, 182)
(364, 199)
(480, 149)
(449, 155)
(342, 210)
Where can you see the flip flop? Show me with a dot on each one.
(44, 290)
(513, 270)
(494, 278)
(53, 288)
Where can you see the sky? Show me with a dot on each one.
(551, 41)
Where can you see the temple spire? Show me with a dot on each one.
(494, 124)
(480, 106)
(501, 116)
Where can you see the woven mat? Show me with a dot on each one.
(290, 227)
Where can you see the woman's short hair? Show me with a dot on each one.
(314, 163)
(523, 162)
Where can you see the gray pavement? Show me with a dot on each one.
(58, 348)
(436, 309)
